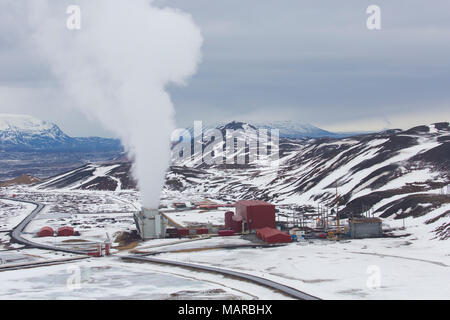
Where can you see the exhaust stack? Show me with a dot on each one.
(150, 224)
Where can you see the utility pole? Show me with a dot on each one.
(337, 212)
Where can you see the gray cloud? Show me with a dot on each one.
(310, 60)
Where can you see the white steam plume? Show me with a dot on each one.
(115, 69)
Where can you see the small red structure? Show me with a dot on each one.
(172, 232)
(236, 223)
(107, 248)
(271, 235)
(46, 232)
(228, 205)
(65, 232)
(257, 213)
(228, 219)
(182, 232)
(94, 254)
(225, 233)
(209, 206)
(179, 205)
(202, 231)
(98, 252)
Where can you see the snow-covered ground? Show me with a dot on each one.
(13, 213)
(109, 278)
(410, 267)
(357, 269)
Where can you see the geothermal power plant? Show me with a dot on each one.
(256, 218)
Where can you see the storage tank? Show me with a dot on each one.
(46, 232)
(236, 223)
(65, 232)
(228, 219)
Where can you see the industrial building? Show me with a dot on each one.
(150, 224)
(365, 228)
(256, 214)
(271, 235)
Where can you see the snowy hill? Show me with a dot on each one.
(110, 176)
(26, 133)
(394, 174)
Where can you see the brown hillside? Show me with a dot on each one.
(23, 179)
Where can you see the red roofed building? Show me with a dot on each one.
(256, 214)
(271, 235)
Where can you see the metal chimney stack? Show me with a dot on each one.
(150, 224)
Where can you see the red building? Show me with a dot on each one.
(271, 235)
(256, 214)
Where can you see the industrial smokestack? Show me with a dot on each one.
(150, 224)
(115, 68)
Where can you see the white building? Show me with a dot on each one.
(150, 224)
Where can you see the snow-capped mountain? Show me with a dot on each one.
(295, 129)
(287, 129)
(26, 133)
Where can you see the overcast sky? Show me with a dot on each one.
(313, 61)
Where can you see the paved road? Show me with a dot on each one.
(16, 233)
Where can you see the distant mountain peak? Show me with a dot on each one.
(287, 128)
(24, 123)
(236, 125)
(20, 132)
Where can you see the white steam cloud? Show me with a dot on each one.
(115, 69)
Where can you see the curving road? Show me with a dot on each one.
(16, 233)
(242, 276)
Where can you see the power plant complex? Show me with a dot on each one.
(253, 217)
